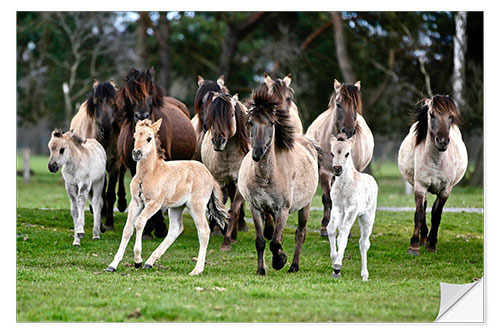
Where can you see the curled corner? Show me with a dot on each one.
(461, 303)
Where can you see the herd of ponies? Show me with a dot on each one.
(252, 151)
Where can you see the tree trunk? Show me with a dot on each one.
(341, 48)
(162, 35)
(459, 49)
(141, 37)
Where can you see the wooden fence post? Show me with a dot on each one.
(26, 165)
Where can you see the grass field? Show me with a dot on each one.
(57, 282)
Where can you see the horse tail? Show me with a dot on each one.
(217, 211)
(318, 149)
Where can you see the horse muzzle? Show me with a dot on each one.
(442, 143)
(219, 145)
(337, 170)
(258, 153)
(349, 132)
(136, 155)
(53, 167)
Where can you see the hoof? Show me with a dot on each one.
(279, 260)
(323, 233)
(122, 205)
(336, 276)
(109, 227)
(293, 268)
(413, 252)
(268, 232)
(96, 238)
(336, 269)
(144, 236)
(76, 244)
(110, 269)
(138, 264)
(261, 271)
(432, 250)
(147, 266)
(225, 248)
(243, 228)
(80, 235)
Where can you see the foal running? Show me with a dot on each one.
(83, 164)
(354, 194)
(171, 185)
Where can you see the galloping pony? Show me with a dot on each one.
(172, 185)
(343, 117)
(83, 167)
(203, 98)
(141, 98)
(281, 89)
(354, 195)
(278, 176)
(433, 158)
(224, 146)
(96, 120)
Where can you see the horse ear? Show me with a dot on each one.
(200, 80)
(337, 86)
(428, 102)
(220, 81)
(358, 85)
(268, 81)
(96, 83)
(156, 125)
(287, 79)
(234, 100)
(151, 72)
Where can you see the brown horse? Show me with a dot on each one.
(203, 98)
(224, 147)
(96, 120)
(278, 176)
(140, 98)
(343, 118)
(433, 158)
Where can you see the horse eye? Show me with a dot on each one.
(61, 151)
(433, 116)
(339, 106)
(332, 154)
(347, 154)
(149, 139)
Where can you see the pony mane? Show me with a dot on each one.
(219, 117)
(207, 87)
(103, 90)
(77, 140)
(350, 95)
(281, 90)
(264, 108)
(440, 104)
(159, 149)
(138, 86)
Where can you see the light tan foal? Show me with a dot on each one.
(171, 185)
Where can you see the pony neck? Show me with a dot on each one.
(148, 164)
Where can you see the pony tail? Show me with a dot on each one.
(217, 211)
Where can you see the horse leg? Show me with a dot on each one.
(81, 199)
(72, 192)
(215, 229)
(111, 198)
(122, 200)
(327, 202)
(437, 211)
(231, 231)
(260, 242)
(423, 228)
(134, 209)
(175, 228)
(300, 237)
(242, 223)
(366, 224)
(197, 211)
(269, 227)
(335, 219)
(419, 219)
(97, 201)
(149, 210)
(344, 228)
(279, 256)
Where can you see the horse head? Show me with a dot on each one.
(442, 112)
(347, 101)
(204, 96)
(101, 105)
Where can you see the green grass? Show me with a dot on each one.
(57, 282)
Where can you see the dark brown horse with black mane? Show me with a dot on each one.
(141, 98)
(223, 148)
(96, 120)
(203, 97)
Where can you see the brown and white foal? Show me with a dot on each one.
(172, 185)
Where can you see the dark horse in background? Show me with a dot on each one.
(141, 98)
(96, 120)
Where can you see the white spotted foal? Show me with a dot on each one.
(83, 164)
(354, 194)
